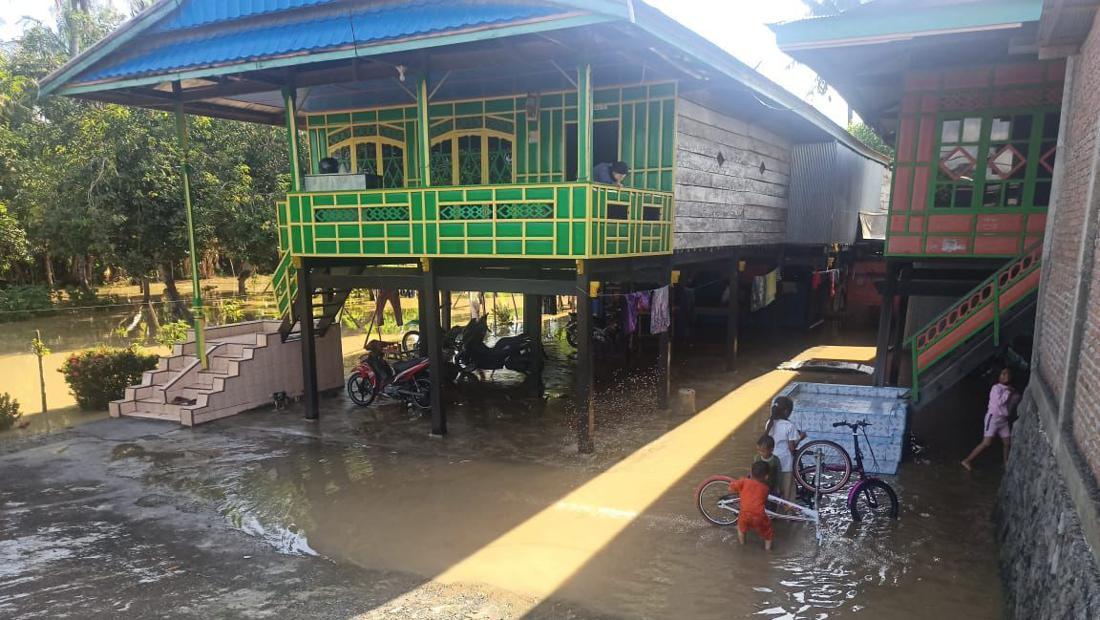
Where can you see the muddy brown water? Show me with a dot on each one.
(372, 490)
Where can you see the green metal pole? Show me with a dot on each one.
(185, 177)
(423, 142)
(996, 310)
(290, 101)
(584, 123)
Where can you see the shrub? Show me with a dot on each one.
(172, 333)
(82, 297)
(503, 315)
(98, 376)
(9, 411)
(19, 303)
(232, 311)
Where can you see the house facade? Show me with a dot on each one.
(464, 136)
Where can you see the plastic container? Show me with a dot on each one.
(818, 405)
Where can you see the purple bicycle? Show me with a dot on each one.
(869, 496)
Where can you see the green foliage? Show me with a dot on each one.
(503, 315)
(98, 376)
(39, 347)
(232, 311)
(868, 136)
(13, 241)
(82, 297)
(172, 333)
(19, 303)
(84, 179)
(9, 411)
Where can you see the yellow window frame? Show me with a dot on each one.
(484, 134)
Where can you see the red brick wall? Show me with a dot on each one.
(913, 230)
(1055, 323)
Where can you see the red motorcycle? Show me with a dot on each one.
(405, 380)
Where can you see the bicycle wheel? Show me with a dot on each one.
(715, 502)
(873, 498)
(361, 390)
(422, 399)
(409, 341)
(836, 466)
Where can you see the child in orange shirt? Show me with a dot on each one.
(754, 493)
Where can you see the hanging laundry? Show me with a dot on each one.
(659, 319)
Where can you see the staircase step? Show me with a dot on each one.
(152, 415)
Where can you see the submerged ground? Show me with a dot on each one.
(363, 515)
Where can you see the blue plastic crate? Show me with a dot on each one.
(818, 405)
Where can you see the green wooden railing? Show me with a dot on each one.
(548, 220)
(285, 283)
(982, 307)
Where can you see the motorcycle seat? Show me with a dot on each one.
(402, 366)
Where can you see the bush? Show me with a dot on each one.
(19, 303)
(82, 297)
(232, 311)
(172, 333)
(98, 376)
(503, 315)
(9, 411)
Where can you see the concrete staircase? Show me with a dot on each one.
(248, 363)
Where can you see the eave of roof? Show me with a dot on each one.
(871, 24)
(648, 19)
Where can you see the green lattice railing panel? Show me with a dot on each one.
(552, 220)
(285, 283)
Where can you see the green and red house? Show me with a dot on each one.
(466, 132)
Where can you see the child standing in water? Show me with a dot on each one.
(1002, 398)
(786, 437)
(765, 453)
(754, 493)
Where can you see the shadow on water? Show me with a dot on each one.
(369, 488)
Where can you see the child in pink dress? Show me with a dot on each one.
(1002, 398)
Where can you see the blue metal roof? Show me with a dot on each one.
(197, 13)
(296, 31)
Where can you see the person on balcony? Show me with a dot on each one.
(610, 173)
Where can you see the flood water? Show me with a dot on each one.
(505, 504)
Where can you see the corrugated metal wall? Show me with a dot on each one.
(830, 186)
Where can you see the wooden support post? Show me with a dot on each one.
(423, 141)
(885, 322)
(532, 326)
(197, 311)
(586, 414)
(310, 397)
(430, 329)
(584, 123)
(732, 317)
(664, 346)
(445, 305)
(896, 355)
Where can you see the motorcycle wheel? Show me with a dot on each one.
(361, 390)
(422, 398)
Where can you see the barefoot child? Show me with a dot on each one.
(754, 493)
(786, 436)
(1002, 398)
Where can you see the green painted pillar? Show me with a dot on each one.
(584, 123)
(290, 102)
(185, 179)
(423, 143)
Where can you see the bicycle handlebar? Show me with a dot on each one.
(857, 425)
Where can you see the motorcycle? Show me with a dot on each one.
(511, 352)
(405, 380)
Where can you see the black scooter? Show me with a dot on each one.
(512, 352)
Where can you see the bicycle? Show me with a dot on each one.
(869, 495)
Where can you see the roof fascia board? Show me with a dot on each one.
(822, 31)
(893, 38)
(673, 33)
(363, 51)
(106, 45)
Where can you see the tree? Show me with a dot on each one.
(868, 136)
(13, 241)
